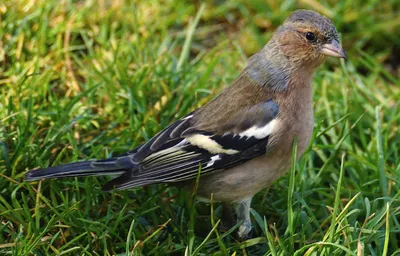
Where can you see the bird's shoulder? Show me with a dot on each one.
(237, 107)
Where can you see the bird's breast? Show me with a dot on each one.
(295, 122)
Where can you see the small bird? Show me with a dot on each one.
(241, 140)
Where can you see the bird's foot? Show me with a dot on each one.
(244, 231)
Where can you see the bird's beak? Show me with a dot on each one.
(333, 49)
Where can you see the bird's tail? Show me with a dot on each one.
(111, 166)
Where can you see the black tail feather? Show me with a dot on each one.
(112, 166)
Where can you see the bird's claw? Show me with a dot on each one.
(244, 230)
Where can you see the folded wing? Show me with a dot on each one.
(177, 153)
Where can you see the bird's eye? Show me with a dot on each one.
(310, 37)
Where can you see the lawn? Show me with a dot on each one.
(93, 79)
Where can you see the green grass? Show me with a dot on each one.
(80, 80)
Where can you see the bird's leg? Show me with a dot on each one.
(227, 216)
(242, 209)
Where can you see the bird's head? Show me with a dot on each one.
(296, 49)
(307, 37)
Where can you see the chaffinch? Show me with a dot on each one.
(242, 140)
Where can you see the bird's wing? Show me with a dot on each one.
(176, 153)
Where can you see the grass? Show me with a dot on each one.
(82, 80)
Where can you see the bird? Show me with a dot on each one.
(242, 140)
